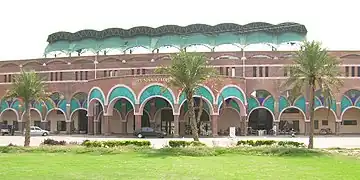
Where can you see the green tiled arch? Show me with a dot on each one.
(252, 103)
(97, 93)
(39, 106)
(300, 102)
(74, 104)
(231, 91)
(200, 91)
(345, 102)
(235, 105)
(283, 103)
(4, 105)
(122, 91)
(156, 90)
(62, 105)
(270, 103)
(15, 105)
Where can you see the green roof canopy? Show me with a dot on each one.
(176, 36)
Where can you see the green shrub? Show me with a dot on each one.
(112, 144)
(53, 142)
(256, 143)
(176, 144)
(269, 143)
(291, 143)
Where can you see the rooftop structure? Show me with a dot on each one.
(175, 36)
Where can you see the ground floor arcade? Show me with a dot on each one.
(123, 121)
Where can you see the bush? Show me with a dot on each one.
(111, 144)
(176, 144)
(269, 143)
(291, 143)
(256, 143)
(53, 142)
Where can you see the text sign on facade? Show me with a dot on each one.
(147, 80)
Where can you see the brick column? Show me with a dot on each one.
(244, 125)
(137, 122)
(68, 127)
(107, 131)
(176, 125)
(277, 124)
(44, 125)
(307, 128)
(124, 127)
(214, 125)
(97, 129)
(21, 126)
(337, 128)
(90, 130)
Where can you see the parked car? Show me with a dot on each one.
(36, 131)
(7, 129)
(149, 132)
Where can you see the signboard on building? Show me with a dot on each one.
(155, 79)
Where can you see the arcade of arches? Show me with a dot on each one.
(121, 111)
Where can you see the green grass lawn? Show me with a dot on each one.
(134, 166)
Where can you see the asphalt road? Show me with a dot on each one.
(319, 142)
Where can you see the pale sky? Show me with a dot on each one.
(26, 24)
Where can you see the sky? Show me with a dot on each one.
(26, 24)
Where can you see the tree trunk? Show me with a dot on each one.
(27, 125)
(198, 118)
(193, 123)
(311, 96)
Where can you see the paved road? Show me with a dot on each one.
(320, 142)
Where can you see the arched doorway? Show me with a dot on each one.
(324, 119)
(121, 101)
(153, 98)
(350, 121)
(229, 116)
(261, 119)
(56, 121)
(36, 118)
(80, 119)
(10, 117)
(261, 105)
(292, 118)
(119, 109)
(203, 124)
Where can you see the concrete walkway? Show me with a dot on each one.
(319, 141)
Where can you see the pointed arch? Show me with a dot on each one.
(261, 107)
(345, 103)
(40, 114)
(156, 90)
(55, 109)
(11, 109)
(208, 103)
(289, 107)
(300, 102)
(231, 90)
(283, 103)
(121, 90)
(202, 90)
(75, 110)
(96, 93)
(323, 107)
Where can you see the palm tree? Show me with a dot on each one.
(27, 87)
(314, 68)
(187, 71)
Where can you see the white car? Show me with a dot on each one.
(36, 131)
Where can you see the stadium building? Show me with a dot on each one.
(103, 82)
